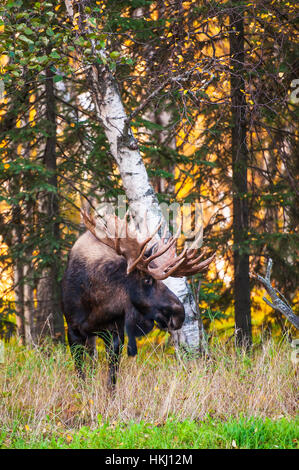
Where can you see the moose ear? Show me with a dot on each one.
(151, 250)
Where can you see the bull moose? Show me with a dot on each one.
(113, 282)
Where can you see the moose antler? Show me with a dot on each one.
(119, 235)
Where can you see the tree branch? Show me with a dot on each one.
(277, 304)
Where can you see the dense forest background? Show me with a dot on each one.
(211, 92)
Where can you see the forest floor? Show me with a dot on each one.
(230, 400)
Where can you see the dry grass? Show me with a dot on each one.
(41, 391)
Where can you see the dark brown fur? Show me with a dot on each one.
(100, 299)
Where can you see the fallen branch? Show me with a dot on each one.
(277, 303)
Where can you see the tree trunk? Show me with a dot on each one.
(29, 310)
(18, 270)
(239, 164)
(49, 319)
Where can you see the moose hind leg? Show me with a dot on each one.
(113, 342)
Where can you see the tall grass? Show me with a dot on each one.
(40, 391)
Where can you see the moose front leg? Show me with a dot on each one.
(132, 345)
(113, 342)
(77, 344)
(136, 326)
(92, 351)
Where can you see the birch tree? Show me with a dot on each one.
(124, 148)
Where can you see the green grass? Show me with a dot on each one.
(242, 433)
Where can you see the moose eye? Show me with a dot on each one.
(148, 281)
